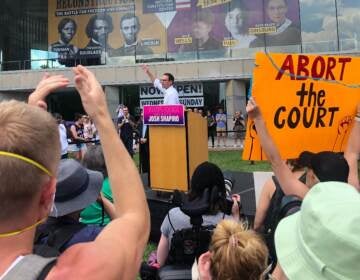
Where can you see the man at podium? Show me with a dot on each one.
(165, 85)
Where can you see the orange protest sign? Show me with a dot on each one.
(307, 101)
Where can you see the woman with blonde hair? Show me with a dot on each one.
(234, 253)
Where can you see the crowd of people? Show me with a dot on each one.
(89, 219)
(78, 135)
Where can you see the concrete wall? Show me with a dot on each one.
(126, 75)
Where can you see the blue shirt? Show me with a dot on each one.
(86, 234)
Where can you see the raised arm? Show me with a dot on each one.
(352, 151)
(47, 85)
(148, 72)
(289, 184)
(117, 251)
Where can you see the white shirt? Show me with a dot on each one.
(143, 132)
(171, 96)
(63, 139)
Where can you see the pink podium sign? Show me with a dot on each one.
(164, 115)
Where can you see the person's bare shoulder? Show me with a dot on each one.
(85, 261)
(269, 187)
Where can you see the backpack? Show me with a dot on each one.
(281, 206)
(188, 244)
(30, 267)
(51, 237)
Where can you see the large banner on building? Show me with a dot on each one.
(308, 102)
(115, 31)
(105, 31)
(198, 27)
(215, 27)
(268, 23)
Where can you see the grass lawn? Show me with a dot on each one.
(230, 161)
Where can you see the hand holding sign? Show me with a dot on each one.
(306, 100)
(252, 109)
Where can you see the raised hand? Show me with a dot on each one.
(252, 109)
(145, 67)
(91, 92)
(235, 209)
(47, 85)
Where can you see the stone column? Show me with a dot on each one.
(112, 99)
(235, 99)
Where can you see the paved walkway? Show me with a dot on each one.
(230, 145)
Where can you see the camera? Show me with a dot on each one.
(229, 185)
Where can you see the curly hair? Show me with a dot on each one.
(90, 25)
(64, 21)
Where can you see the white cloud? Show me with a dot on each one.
(326, 38)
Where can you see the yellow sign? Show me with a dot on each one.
(308, 102)
(229, 43)
(211, 3)
(262, 30)
(183, 40)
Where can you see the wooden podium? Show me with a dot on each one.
(175, 152)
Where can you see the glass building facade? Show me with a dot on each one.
(38, 34)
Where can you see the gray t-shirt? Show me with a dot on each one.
(180, 221)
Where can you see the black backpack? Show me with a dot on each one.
(51, 237)
(188, 244)
(281, 206)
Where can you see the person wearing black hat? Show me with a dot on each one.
(76, 188)
(324, 166)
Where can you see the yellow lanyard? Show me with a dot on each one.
(26, 159)
(16, 232)
(42, 168)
